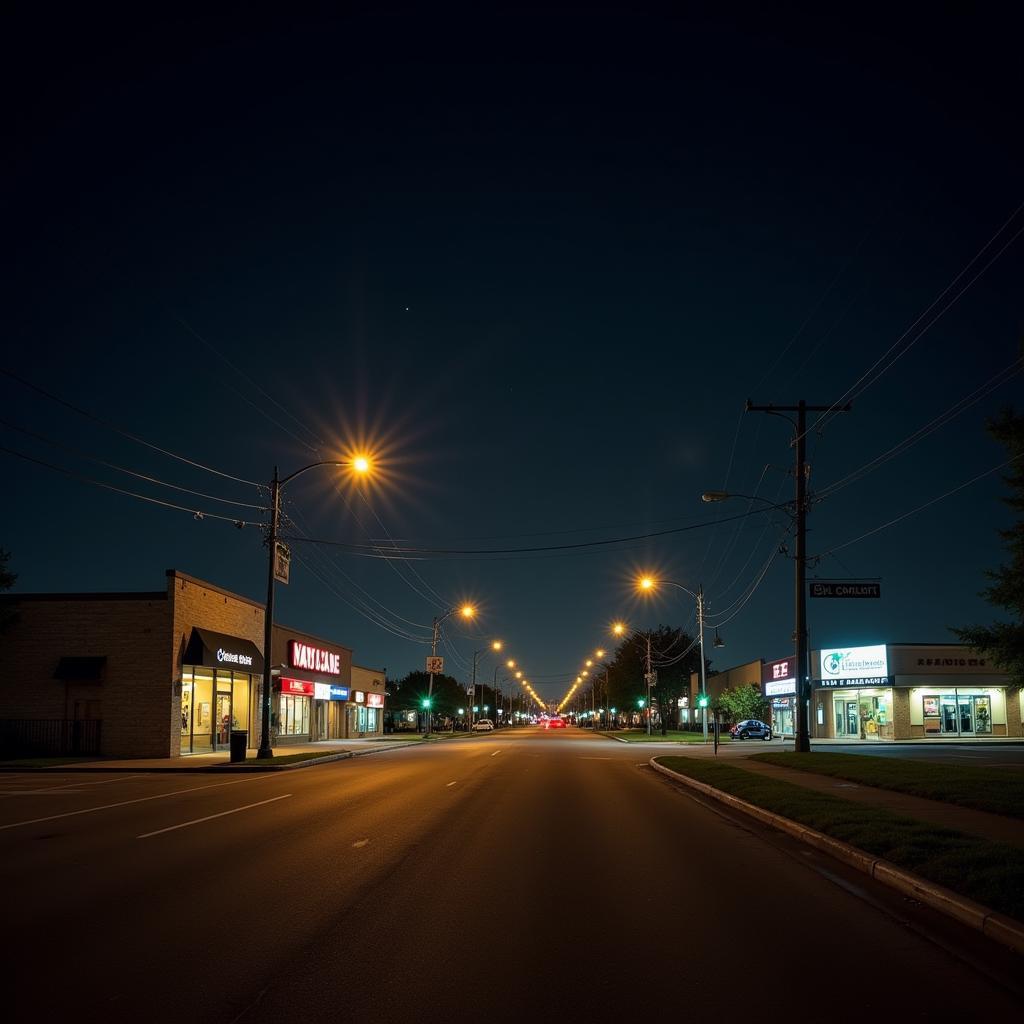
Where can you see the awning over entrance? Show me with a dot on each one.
(81, 670)
(218, 650)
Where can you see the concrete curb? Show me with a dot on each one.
(207, 769)
(996, 926)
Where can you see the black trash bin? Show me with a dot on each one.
(239, 740)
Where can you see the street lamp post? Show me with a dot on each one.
(359, 464)
(467, 611)
(648, 583)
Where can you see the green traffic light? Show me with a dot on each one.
(426, 703)
(702, 701)
(640, 702)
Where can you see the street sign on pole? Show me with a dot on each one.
(282, 562)
(840, 588)
(435, 664)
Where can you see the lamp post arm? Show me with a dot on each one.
(313, 465)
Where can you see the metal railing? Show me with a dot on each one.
(40, 737)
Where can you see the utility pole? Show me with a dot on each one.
(430, 685)
(648, 678)
(703, 662)
(265, 748)
(803, 678)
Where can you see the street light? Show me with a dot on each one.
(467, 611)
(648, 583)
(495, 646)
(619, 628)
(359, 464)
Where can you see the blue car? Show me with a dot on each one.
(751, 729)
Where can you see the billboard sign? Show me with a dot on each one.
(778, 678)
(855, 666)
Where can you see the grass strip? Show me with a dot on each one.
(991, 873)
(673, 736)
(999, 790)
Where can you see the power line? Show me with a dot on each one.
(120, 430)
(197, 513)
(121, 469)
(920, 508)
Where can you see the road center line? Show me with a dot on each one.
(359, 844)
(210, 817)
(450, 784)
(125, 803)
(496, 753)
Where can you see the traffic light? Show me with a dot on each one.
(640, 702)
(425, 704)
(702, 700)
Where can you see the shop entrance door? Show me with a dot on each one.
(852, 723)
(966, 705)
(223, 721)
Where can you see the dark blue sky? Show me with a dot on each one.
(539, 262)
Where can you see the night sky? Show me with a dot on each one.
(536, 263)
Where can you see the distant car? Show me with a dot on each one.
(483, 725)
(555, 723)
(751, 728)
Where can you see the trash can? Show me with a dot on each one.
(239, 740)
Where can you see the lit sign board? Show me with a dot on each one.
(231, 658)
(375, 700)
(313, 659)
(297, 687)
(322, 691)
(339, 692)
(853, 666)
(359, 696)
(778, 678)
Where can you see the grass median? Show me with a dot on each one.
(999, 790)
(673, 736)
(991, 873)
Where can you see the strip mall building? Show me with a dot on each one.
(170, 673)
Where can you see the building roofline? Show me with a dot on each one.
(312, 636)
(207, 585)
(379, 671)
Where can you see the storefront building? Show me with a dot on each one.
(312, 684)
(165, 673)
(366, 705)
(778, 686)
(911, 691)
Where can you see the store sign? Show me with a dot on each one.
(435, 664)
(856, 663)
(339, 692)
(375, 700)
(313, 659)
(821, 588)
(359, 696)
(225, 657)
(778, 678)
(322, 691)
(297, 687)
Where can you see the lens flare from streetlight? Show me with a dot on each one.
(645, 583)
(599, 652)
(496, 645)
(468, 611)
(618, 628)
(511, 663)
(361, 464)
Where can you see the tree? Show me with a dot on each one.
(7, 578)
(629, 663)
(741, 702)
(409, 693)
(1003, 641)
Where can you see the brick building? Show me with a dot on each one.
(162, 673)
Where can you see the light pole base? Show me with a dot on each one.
(264, 753)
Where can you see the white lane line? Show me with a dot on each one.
(359, 844)
(210, 817)
(67, 789)
(125, 803)
(496, 753)
(587, 757)
(450, 784)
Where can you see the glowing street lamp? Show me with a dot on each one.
(358, 464)
(467, 611)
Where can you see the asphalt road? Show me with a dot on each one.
(535, 875)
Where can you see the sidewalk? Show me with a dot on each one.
(996, 827)
(201, 762)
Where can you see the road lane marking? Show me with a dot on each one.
(359, 844)
(496, 753)
(125, 803)
(587, 757)
(450, 784)
(210, 817)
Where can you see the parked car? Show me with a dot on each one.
(483, 725)
(555, 723)
(751, 728)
